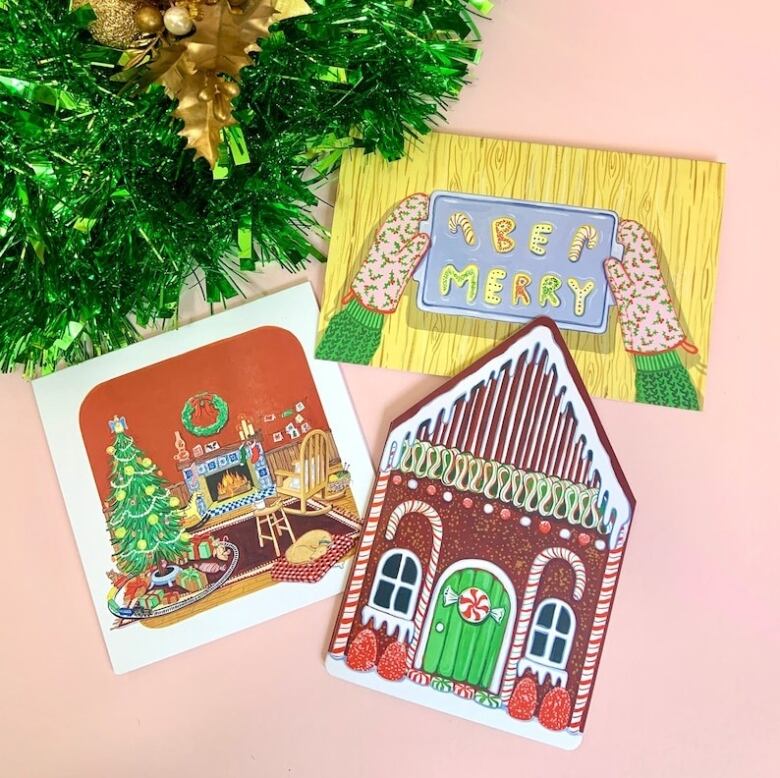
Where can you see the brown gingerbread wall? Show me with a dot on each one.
(468, 532)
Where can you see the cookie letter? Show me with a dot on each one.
(580, 293)
(500, 230)
(538, 241)
(462, 220)
(585, 234)
(494, 285)
(468, 276)
(548, 290)
(520, 285)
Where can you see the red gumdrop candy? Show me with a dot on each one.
(392, 665)
(556, 709)
(522, 703)
(544, 527)
(362, 651)
(583, 539)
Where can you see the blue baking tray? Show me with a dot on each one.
(448, 248)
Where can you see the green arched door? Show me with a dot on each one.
(471, 615)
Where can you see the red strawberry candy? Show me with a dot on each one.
(522, 703)
(362, 651)
(392, 665)
(583, 539)
(556, 709)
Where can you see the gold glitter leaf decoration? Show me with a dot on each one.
(225, 37)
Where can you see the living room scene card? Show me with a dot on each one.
(440, 256)
(215, 476)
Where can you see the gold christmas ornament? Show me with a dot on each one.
(115, 25)
(201, 71)
(148, 19)
(178, 20)
(120, 532)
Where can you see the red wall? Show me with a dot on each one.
(259, 372)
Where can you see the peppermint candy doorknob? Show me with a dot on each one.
(473, 605)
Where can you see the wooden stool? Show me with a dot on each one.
(272, 521)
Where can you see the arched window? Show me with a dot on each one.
(394, 592)
(396, 583)
(549, 641)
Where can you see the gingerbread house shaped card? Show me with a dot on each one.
(489, 558)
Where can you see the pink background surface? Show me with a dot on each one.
(688, 683)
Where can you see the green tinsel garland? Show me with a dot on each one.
(104, 217)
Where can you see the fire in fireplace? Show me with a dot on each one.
(229, 483)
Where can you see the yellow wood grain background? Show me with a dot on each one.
(679, 201)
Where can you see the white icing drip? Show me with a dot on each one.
(392, 624)
(538, 343)
(541, 671)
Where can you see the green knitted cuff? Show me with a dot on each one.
(371, 319)
(653, 362)
(352, 335)
(661, 379)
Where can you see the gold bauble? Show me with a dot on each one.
(115, 24)
(141, 545)
(174, 502)
(129, 470)
(153, 519)
(120, 495)
(185, 536)
(148, 19)
(120, 533)
(146, 462)
(150, 490)
(110, 450)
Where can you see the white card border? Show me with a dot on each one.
(59, 397)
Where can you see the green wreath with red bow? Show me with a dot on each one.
(204, 414)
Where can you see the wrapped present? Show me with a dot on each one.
(192, 580)
(135, 587)
(168, 597)
(201, 548)
(149, 600)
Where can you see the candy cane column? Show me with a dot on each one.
(359, 570)
(404, 509)
(529, 598)
(597, 634)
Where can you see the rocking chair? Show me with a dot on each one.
(310, 476)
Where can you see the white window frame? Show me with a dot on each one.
(394, 620)
(543, 665)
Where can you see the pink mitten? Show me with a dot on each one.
(647, 318)
(395, 253)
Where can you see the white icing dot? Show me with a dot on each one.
(600, 545)
(412, 483)
(439, 626)
(447, 496)
(488, 508)
(565, 534)
(526, 521)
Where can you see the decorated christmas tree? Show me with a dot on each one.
(144, 519)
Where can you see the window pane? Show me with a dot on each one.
(546, 615)
(403, 598)
(383, 594)
(538, 643)
(410, 571)
(558, 647)
(391, 566)
(564, 621)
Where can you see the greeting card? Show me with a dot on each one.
(215, 476)
(490, 555)
(438, 257)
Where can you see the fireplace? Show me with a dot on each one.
(229, 483)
